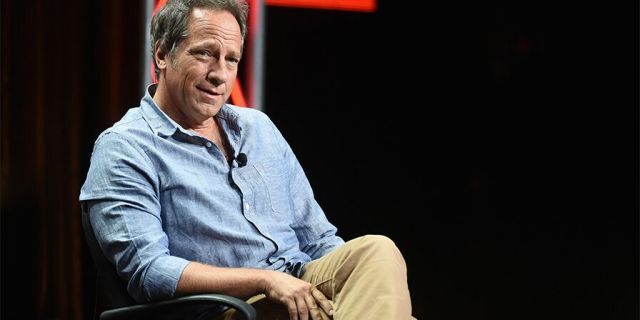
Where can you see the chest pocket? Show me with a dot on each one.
(275, 180)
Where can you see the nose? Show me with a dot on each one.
(217, 73)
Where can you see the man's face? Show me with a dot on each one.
(202, 69)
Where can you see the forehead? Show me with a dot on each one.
(209, 23)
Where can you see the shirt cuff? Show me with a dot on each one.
(162, 277)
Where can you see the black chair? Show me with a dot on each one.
(114, 303)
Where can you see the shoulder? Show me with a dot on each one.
(130, 127)
(128, 135)
(251, 119)
(249, 114)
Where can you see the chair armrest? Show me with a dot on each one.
(168, 309)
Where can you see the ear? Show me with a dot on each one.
(160, 56)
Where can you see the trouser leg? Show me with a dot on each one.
(366, 278)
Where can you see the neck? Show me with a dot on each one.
(208, 128)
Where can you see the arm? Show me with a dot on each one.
(298, 296)
(121, 195)
(121, 198)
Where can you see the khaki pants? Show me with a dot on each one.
(366, 278)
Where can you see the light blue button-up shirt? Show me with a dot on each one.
(159, 196)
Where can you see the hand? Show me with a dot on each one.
(301, 298)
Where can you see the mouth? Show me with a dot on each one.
(209, 92)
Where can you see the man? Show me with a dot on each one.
(187, 194)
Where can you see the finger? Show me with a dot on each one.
(313, 307)
(322, 301)
(292, 309)
(303, 310)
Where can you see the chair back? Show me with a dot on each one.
(111, 291)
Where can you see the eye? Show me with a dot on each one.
(204, 53)
(233, 61)
(201, 53)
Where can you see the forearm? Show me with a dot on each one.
(237, 282)
(299, 297)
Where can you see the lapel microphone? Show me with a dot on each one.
(241, 159)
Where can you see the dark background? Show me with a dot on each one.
(496, 143)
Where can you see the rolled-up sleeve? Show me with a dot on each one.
(120, 196)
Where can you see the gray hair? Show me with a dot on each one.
(169, 26)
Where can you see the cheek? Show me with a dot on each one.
(233, 74)
(232, 78)
(190, 79)
(193, 71)
(196, 74)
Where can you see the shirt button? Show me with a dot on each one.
(208, 144)
(247, 206)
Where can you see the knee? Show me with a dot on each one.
(377, 254)
(379, 246)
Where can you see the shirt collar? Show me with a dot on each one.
(161, 124)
